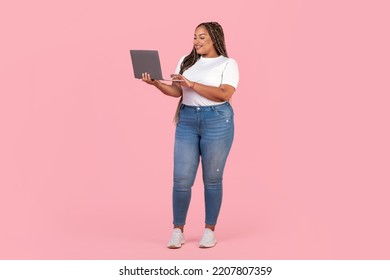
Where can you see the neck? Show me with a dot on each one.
(210, 54)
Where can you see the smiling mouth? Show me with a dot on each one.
(198, 46)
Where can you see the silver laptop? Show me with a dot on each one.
(147, 61)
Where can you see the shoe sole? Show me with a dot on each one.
(205, 246)
(175, 247)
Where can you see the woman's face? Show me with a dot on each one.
(203, 43)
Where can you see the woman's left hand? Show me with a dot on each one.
(182, 80)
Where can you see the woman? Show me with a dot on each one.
(205, 80)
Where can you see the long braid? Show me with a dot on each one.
(217, 36)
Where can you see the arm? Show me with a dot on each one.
(222, 93)
(173, 90)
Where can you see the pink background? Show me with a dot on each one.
(86, 149)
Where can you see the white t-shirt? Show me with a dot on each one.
(213, 71)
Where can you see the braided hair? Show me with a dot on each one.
(217, 36)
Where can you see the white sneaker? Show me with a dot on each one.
(177, 239)
(208, 239)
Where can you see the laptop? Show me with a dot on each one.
(147, 61)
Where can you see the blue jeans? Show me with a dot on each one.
(204, 132)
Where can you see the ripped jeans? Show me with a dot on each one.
(206, 133)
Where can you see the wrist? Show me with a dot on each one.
(192, 85)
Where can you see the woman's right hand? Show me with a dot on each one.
(170, 90)
(147, 79)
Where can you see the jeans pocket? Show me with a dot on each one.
(225, 111)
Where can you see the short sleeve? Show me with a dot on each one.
(177, 71)
(231, 74)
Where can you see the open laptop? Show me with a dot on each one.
(147, 61)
